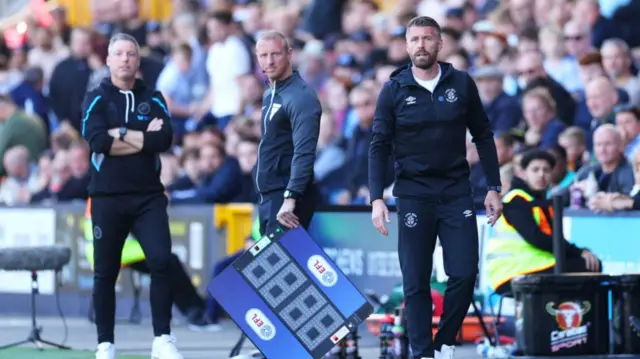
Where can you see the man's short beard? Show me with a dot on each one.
(432, 59)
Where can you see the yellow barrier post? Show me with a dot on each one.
(238, 219)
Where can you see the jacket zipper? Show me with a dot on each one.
(264, 123)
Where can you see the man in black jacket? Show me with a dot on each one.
(127, 125)
(287, 151)
(423, 113)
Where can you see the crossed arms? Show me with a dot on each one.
(95, 129)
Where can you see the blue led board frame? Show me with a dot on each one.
(289, 298)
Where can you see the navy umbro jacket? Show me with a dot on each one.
(427, 132)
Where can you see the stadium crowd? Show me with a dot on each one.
(560, 75)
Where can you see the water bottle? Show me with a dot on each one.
(386, 337)
(351, 346)
(576, 197)
(399, 345)
(335, 352)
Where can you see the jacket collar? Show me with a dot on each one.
(404, 76)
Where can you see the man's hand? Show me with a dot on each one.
(591, 261)
(380, 215)
(155, 125)
(493, 206)
(285, 216)
(114, 132)
(601, 202)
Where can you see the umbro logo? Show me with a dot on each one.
(468, 213)
(410, 100)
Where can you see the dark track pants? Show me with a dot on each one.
(272, 201)
(114, 217)
(420, 223)
(185, 295)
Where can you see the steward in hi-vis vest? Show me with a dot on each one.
(131, 252)
(521, 241)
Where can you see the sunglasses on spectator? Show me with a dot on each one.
(573, 38)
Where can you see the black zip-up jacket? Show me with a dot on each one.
(427, 132)
(108, 107)
(290, 126)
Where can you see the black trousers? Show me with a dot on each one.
(272, 201)
(572, 265)
(420, 223)
(185, 295)
(114, 217)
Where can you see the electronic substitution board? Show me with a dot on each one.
(289, 298)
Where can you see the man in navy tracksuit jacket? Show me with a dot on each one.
(290, 126)
(127, 125)
(423, 113)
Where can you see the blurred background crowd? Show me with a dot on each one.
(561, 75)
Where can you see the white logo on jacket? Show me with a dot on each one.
(450, 95)
(410, 220)
(410, 100)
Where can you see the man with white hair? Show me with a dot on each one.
(20, 182)
(612, 172)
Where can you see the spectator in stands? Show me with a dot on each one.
(577, 42)
(191, 174)
(227, 60)
(330, 157)
(247, 154)
(46, 54)
(557, 64)
(616, 60)
(561, 177)
(18, 128)
(220, 178)
(182, 88)
(29, 96)
(628, 124)
(532, 74)
(575, 144)
(609, 202)
(503, 111)
(79, 161)
(356, 169)
(21, 179)
(612, 173)
(543, 125)
(66, 95)
(591, 68)
(602, 28)
(313, 67)
(602, 99)
(9, 78)
(63, 186)
(505, 146)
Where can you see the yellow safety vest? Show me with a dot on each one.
(131, 252)
(508, 254)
